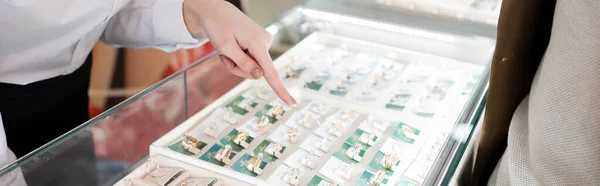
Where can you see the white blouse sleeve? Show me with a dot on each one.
(150, 24)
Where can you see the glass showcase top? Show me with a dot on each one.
(423, 82)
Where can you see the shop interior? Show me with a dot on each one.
(390, 92)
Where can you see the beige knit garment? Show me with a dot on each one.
(554, 137)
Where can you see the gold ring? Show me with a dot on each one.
(227, 151)
(294, 174)
(151, 173)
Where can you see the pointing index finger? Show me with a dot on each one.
(271, 76)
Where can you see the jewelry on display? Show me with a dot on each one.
(277, 111)
(308, 160)
(377, 179)
(336, 129)
(291, 135)
(357, 149)
(166, 177)
(275, 149)
(367, 138)
(377, 79)
(305, 121)
(191, 144)
(289, 71)
(354, 152)
(320, 108)
(292, 177)
(409, 132)
(223, 154)
(155, 173)
(351, 113)
(262, 123)
(323, 145)
(228, 116)
(210, 130)
(128, 182)
(241, 138)
(201, 181)
(186, 182)
(244, 104)
(191, 139)
(390, 160)
(254, 164)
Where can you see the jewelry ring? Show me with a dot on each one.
(128, 182)
(294, 174)
(152, 173)
(186, 182)
(187, 145)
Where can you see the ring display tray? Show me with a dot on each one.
(367, 114)
(173, 172)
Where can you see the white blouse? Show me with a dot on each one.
(41, 39)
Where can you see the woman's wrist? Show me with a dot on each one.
(192, 13)
(196, 13)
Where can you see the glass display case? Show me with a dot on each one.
(388, 91)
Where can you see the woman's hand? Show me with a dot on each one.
(244, 44)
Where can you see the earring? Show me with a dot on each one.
(354, 152)
(335, 129)
(228, 116)
(241, 138)
(308, 160)
(377, 79)
(277, 111)
(319, 108)
(223, 154)
(369, 139)
(210, 130)
(390, 160)
(291, 135)
(377, 179)
(290, 72)
(409, 132)
(246, 105)
(275, 149)
(323, 145)
(350, 114)
(292, 177)
(262, 123)
(191, 144)
(254, 164)
(305, 121)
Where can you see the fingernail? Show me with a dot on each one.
(293, 102)
(256, 73)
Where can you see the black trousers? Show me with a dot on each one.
(39, 112)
